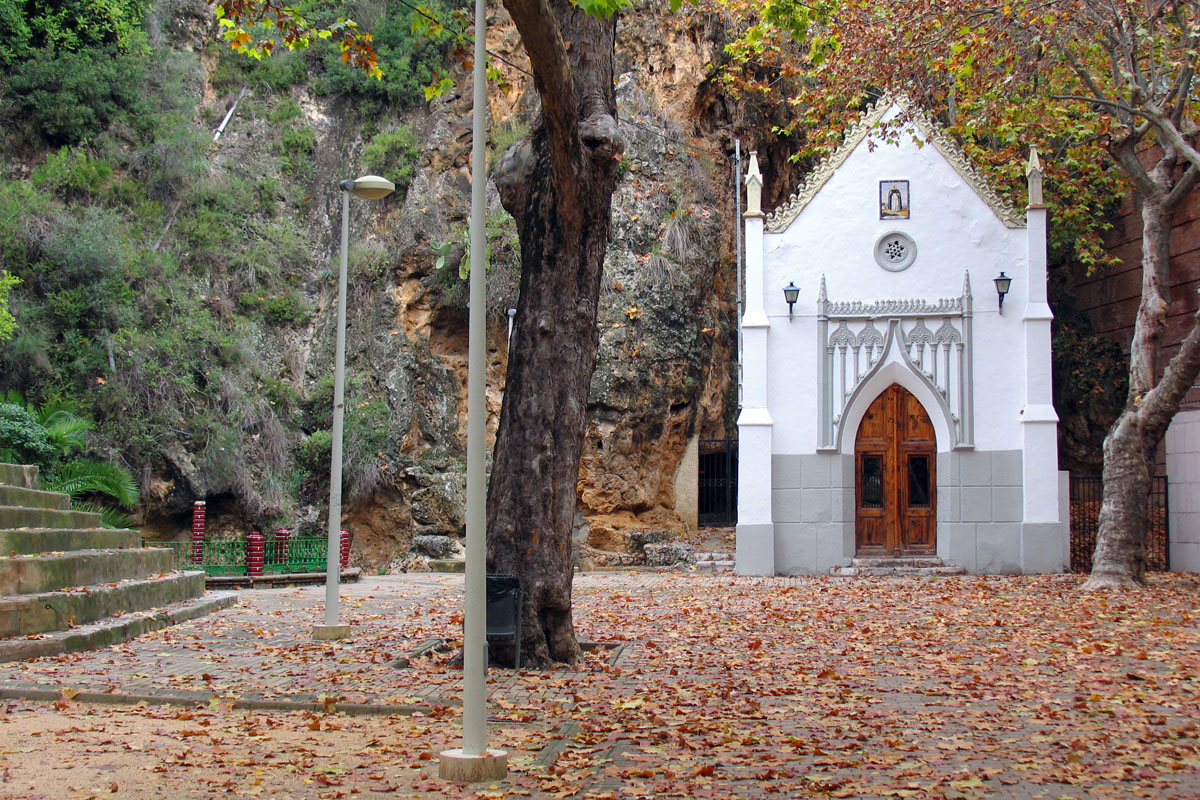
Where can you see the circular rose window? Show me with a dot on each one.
(895, 251)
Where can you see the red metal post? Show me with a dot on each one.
(198, 512)
(345, 548)
(254, 553)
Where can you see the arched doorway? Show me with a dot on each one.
(895, 486)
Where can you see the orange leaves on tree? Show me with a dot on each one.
(255, 27)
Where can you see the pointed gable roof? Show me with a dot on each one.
(783, 216)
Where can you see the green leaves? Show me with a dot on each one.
(603, 9)
(440, 88)
(85, 476)
(7, 324)
(256, 27)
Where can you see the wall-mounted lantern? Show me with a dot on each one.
(791, 293)
(1003, 282)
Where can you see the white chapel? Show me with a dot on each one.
(897, 402)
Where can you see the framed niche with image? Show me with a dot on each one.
(893, 199)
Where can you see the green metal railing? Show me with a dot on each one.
(180, 552)
(297, 554)
(228, 556)
(224, 556)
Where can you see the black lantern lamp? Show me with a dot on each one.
(1003, 282)
(791, 293)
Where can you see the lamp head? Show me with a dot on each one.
(1003, 283)
(368, 187)
(791, 293)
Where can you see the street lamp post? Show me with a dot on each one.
(369, 187)
(475, 761)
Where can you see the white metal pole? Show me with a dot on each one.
(332, 557)
(474, 636)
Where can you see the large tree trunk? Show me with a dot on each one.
(1130, 448)
(558, 185)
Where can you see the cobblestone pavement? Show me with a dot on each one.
(815, 695)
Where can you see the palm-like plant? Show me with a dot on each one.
(78, 477)
(83, 476)
(64, 428)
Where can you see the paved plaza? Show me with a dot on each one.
(706, 686)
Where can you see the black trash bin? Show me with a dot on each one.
(504, 600)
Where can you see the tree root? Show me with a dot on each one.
(1109, 582)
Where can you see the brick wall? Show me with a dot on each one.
(1111, 298)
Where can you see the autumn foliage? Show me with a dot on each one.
(257, 27)
(709, 687)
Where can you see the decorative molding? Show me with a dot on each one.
(947, 334)
(930, 339)
(869, 336)
(858, 309)
(842, 337)
(918, 335)
(783, 216)
(895, 251)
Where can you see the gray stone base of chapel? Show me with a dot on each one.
(979, 512)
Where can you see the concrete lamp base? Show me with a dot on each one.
(328, 632)
(454, 765)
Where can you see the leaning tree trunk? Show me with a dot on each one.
(1130, 448)
(558, 185)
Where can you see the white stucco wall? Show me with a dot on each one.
(835, 235)
(1183, 489)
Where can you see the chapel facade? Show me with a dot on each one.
(896, 366)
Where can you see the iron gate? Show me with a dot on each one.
(1087, 492)
(718, 482)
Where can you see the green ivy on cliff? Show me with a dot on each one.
(165, 287)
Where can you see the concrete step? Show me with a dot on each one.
(918, 572)
(28, 541)
(50, 572)
(715, 562)
(21, 615)
(26, 517)
(896, 561)
(447, 565)
(274, 579)
(33, 498)
(113, 630)
(20, 475)
(716, 566)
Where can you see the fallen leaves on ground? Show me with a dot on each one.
(725, 688)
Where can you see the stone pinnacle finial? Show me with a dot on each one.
(822, 297)
(753, 188)
(1033, 174)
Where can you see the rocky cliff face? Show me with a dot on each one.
(668, 327)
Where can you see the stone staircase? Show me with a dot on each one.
(920, 566)
(714, 562)
(67, 584)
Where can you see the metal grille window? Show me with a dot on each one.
(872, 482)
(918, 481)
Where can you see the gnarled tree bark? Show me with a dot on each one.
(558, 185)
(1119, 560)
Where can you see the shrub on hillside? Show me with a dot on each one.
(23, 440)
(412, 54)
(392, 154)
(71, 96)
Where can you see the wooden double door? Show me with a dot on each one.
(895, 485)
